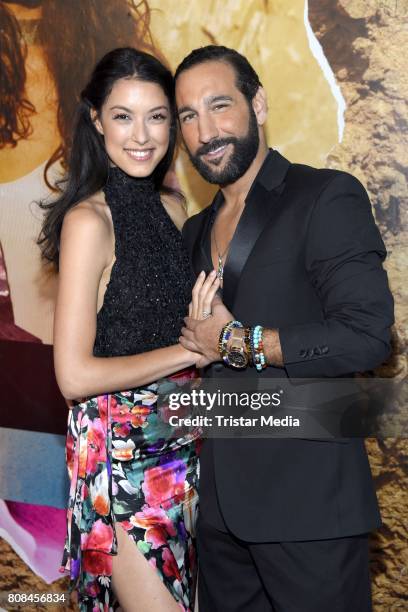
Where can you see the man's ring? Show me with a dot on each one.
(206, 314)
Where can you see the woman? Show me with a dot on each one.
(47, 51)
(124, 286)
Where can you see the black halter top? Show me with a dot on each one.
(150, 284)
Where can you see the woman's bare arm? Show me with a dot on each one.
(84, 254)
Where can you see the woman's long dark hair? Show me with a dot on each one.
(74, 36)
(88, 166)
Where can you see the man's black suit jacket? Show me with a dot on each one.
(306, 258)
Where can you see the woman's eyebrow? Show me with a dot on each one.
(128, 110)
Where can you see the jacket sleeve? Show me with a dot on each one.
(343, 257)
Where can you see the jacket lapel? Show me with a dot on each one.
(260, 208)
(201, 255)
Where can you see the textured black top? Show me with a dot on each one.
(150, 284)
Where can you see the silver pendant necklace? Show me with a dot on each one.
(220, 257)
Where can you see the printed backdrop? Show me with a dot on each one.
(338, 92)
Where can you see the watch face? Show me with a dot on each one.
(237, 359)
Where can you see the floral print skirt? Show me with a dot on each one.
(128, 465)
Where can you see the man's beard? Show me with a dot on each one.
(244, 152)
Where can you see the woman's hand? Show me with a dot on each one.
(207, 315)
(203, 295)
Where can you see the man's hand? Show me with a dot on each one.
(202, 330)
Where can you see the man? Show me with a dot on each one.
(283, 522)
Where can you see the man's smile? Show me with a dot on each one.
(216, 155)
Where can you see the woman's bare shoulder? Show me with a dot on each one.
(87, 231)
(91, 214)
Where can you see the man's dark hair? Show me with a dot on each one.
(246, 79)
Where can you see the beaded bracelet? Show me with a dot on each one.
(251, 344)
(247, 343)
(224, 337)
(258, 355)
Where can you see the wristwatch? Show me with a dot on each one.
(236, 354)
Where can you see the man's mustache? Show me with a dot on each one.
(213, 145)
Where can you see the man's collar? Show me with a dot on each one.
(271, 174)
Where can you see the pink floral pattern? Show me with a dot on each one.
(129, 466)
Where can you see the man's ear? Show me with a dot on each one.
(260, 105)
(96, 121)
